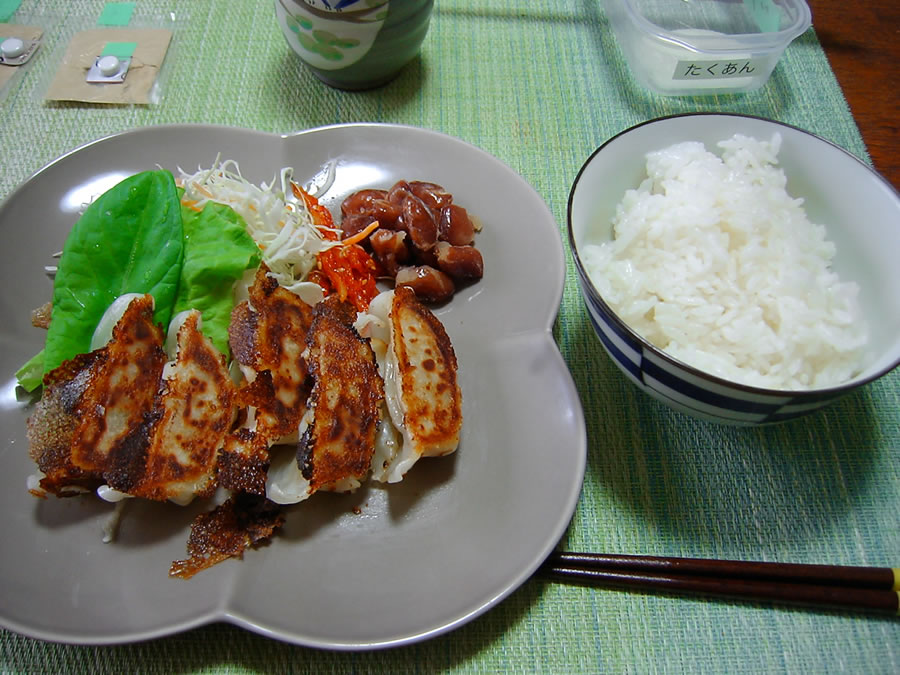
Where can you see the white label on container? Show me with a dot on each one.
(724, 69)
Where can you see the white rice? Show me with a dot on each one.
(715, 263)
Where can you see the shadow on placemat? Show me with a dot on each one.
(290, 86)
(759, 486)
(707, 485)
(222, 648)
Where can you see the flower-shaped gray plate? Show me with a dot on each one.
(387, 565)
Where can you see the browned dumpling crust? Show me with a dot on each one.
(426, 362)
(338, 444)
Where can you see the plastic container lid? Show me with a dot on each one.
(700, 24)
(677, 47)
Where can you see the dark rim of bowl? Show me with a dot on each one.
(820, 393)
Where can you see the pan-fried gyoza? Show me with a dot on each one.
(312, 381)
(418, 364)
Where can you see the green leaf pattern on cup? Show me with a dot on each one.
(326, 44)
(298, 23)
(322, 42)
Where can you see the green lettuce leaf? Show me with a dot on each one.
(31, 374)
(129, 240)
(217, 250)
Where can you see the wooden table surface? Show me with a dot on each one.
(862, 41)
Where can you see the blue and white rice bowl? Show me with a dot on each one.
(859, 209)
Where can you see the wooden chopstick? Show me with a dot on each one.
(832, 586)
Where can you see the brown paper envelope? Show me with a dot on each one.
(70, 83)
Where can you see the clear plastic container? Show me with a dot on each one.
(690, 47)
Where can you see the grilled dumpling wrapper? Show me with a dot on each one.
(55, 423)
(122, 419)
(419, 367)
(79, 431)
(267, 336)
(268, 333)
(192, 414)
(338, 430)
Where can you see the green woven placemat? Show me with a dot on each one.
(539, 84)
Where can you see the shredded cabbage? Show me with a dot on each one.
(280, 223)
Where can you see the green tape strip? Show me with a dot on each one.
(116, 14)
(8, 8)
(121, 50)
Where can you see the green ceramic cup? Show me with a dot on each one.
(354, 44)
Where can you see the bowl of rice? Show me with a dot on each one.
(738, 269)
